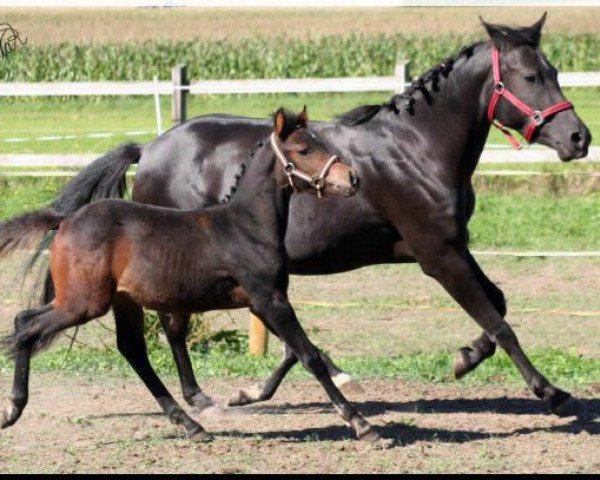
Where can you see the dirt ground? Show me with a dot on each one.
(85, 424)
(102, 425)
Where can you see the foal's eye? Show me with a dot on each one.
(304, 151)
(530, 78)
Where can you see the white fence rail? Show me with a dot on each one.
(291, 85)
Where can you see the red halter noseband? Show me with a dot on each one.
(536, 117)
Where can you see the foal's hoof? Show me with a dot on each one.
(10, 415)
(571, 407)
(204, 405)
(347, 385)
(371, 436)
(245, 397)
(462, 362)
(199, 435)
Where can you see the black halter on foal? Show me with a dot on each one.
(318, 181)
(536, 117)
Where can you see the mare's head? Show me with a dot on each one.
(527, 74)
(304, 162)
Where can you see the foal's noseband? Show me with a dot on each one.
(317, 181)
(536, 117)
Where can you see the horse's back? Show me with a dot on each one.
(195, 164)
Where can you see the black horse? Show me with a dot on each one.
(116, 254)
(416, 155)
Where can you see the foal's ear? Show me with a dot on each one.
(303, 118)
(279, 122)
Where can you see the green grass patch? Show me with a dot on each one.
(562, 367)
(501, 220)
(40, 117)
(544, 222)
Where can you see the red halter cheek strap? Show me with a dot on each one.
(536, 117)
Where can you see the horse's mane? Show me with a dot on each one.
(406, 100)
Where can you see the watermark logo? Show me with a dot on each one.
(10, 39)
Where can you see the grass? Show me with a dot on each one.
(563, 367)
(43, 117)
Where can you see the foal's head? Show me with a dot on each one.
(526, 72)
(304, 162)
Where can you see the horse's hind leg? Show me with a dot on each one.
(129, 320)
(33, 330)
(176, 329)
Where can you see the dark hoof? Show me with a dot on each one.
(10, 415)
(244, 397)
(371, 436)
(203, 404)
(199, 435)
(571, 407)
(462, 362)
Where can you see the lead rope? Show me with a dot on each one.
(290, 170)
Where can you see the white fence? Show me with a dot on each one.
(291, 85)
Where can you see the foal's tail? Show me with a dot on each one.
(103, 178)
(26, 230)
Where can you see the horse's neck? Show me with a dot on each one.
(261, 198)
(455, 122)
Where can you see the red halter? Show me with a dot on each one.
(536, 117)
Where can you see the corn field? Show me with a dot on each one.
(328, 56)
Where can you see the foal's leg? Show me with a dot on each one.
(451, 266)
(33, 328)
(262, 392)
(129, 320)
(279, 315)
(468, 358)
(176, 329)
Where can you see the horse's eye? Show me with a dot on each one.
(530, 78)
(304, 151)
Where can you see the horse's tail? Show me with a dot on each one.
(103, 178)
(25, 230)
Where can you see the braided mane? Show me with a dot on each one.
(426, 83)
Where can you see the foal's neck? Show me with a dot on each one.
(261, 198)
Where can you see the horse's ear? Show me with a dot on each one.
(498, 35)
(303, 118)
(279, 122)
(536, 28)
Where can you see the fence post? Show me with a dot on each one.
(258, 337)
(401, 73)
(179, 108)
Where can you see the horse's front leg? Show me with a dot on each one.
(265, 391)
(468, 358)
(451, 264)
(275, 309)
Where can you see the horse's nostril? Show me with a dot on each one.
(353, 179)
(576, 137)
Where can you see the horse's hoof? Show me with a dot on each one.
(10, 415)
(347, 385)
(245, 397)
(571, 407)
(462, 362)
